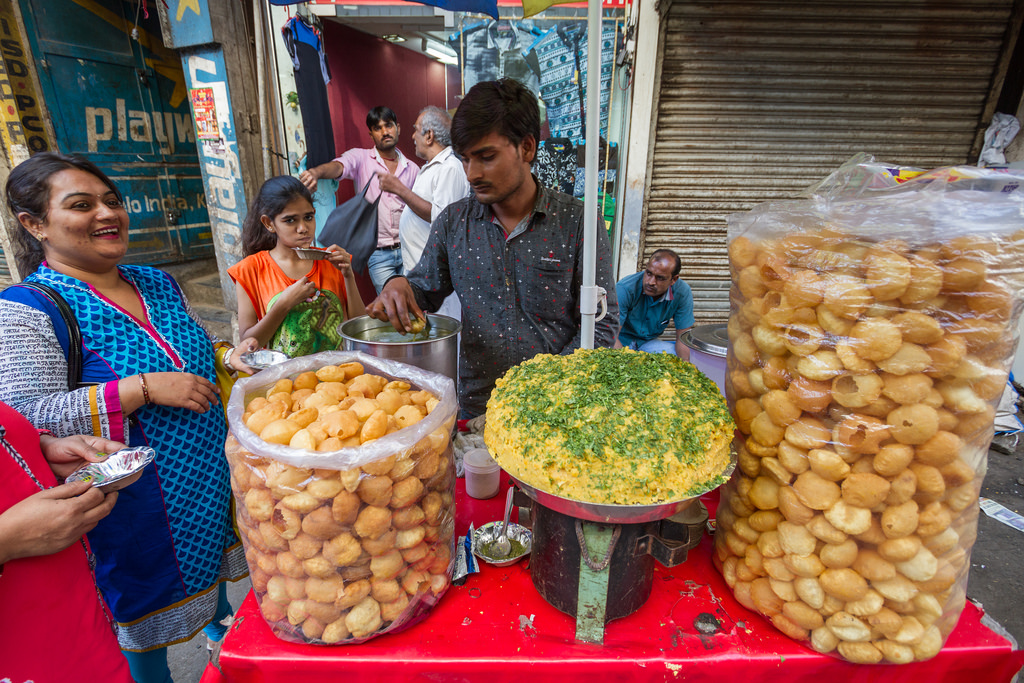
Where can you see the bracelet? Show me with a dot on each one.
(145, 389)
(226, 360)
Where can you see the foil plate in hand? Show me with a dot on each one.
(311, 253)
(264, 358)
(117, 471)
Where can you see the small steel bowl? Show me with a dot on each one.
(117, 471)
(491, 531)
(312, 253)
(264, 358)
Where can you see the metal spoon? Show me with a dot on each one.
(501, 546)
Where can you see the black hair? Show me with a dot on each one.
(273, 197)
(28, 191)
(668, 253)
(505, 106)
(378, 114)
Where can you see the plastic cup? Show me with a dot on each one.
(483, 475)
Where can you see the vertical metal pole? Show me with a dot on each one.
(588, 296)
(261, 84)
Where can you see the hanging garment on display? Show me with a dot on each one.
(562, 56)
(555, 166)
(477, 56)
(311, 77)
(603, 177)
(495, 50)
(511, 38)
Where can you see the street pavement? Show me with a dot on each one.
(997, 580)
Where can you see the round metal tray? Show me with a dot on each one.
(614, 514)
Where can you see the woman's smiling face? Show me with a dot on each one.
(86, 225)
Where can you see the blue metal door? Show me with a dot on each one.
(117, 96)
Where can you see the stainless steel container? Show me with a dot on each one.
(440, 354)
(708, 347)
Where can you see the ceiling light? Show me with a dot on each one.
(393, 38)
(441, 56)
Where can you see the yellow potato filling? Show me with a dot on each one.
(614, 427)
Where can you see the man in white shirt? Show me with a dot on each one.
(441, 181)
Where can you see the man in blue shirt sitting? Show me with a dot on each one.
(649, 300)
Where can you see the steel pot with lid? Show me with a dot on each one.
(708, 346)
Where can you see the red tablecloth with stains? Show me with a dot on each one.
(496, 627)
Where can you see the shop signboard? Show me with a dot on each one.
(117, 96)
(188, 27)
(206, 74)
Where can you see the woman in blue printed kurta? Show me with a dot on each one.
(148, 378)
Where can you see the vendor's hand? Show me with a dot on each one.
(389, 182)
(51, 520)
(70, 453)
(295, 293)
(394, 304)
(340, 259)
(182, 390)
(309, 178)
(247, 345)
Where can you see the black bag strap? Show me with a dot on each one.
(74, 333)
(366, 187)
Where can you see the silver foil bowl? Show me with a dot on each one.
(311, 253)
(489, 532)
(118, 470)
(264, 358)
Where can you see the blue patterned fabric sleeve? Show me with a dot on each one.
(34, 367)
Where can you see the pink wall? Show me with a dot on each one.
(367, 71)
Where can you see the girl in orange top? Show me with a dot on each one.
(288, 303)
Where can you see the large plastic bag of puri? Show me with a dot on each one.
(871, 332)
(343, 476)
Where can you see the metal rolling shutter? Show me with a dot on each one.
(757, 100)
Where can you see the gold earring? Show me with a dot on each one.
(41, 237)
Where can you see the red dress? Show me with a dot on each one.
(54, 627)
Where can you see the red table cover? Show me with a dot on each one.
(496, 627)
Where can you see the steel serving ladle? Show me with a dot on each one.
(501, 546)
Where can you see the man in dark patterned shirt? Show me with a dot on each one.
(513, 251)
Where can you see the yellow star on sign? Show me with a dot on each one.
(187, 4)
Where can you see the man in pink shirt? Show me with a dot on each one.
(383, 166)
